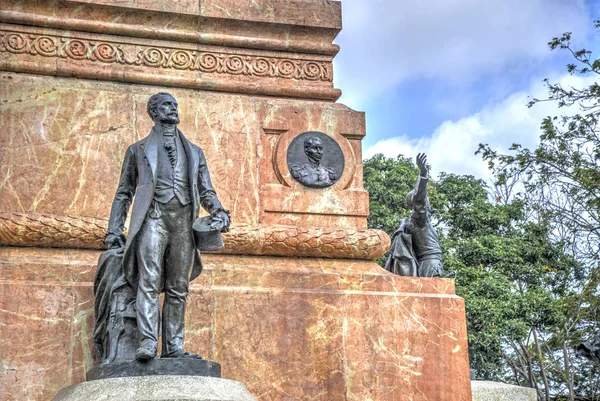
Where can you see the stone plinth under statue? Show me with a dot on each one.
(155, 367)
(157, 388)
(294, 305)
(165, 379)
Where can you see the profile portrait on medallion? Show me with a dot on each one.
(315, 160)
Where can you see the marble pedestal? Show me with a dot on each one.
(294, 306)
(288, 328)
(156, 388)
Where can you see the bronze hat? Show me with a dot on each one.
(206, 238)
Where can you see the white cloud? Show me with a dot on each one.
(452, 145)
(385, 42)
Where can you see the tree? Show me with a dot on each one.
(561, 180)
(523, 313)
(517, 283)
(563, 173)
(388, 181)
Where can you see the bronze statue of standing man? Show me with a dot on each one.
(415, 249)
(170, 180)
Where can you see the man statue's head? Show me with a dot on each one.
(313, 147)
(162, 108)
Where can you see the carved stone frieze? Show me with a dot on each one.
(45, 230)
(105, 51)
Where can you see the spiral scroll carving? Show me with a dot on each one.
(57, 231)
(162, 57)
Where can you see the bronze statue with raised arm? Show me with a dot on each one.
(415, 249)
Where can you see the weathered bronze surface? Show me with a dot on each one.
(415, 249)
(170, 180)
(156, 367)
(315, 160)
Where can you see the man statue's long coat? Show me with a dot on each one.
(138, 178)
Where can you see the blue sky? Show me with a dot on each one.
(442, 76)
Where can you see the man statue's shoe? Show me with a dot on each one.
(181, 354)
(145, 352)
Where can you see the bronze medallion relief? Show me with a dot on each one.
(315, 160)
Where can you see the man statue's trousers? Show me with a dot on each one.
(164, 259)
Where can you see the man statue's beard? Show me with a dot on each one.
(169, 120)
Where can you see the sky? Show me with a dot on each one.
(443, 76)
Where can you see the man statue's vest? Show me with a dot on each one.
(172, 180)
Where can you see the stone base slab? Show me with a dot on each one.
(494, 391)
(157, 388)
(155, 367)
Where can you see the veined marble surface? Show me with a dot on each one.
(288, 328)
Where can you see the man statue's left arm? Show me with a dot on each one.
(209, 200)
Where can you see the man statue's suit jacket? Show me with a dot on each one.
(138, 178)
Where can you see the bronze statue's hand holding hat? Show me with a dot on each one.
(220, 221)
(207, 231)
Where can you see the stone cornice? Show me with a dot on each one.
(62, 53)
(112, 51)
(166, 33)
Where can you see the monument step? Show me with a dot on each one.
(157, 388)
(495, 391)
